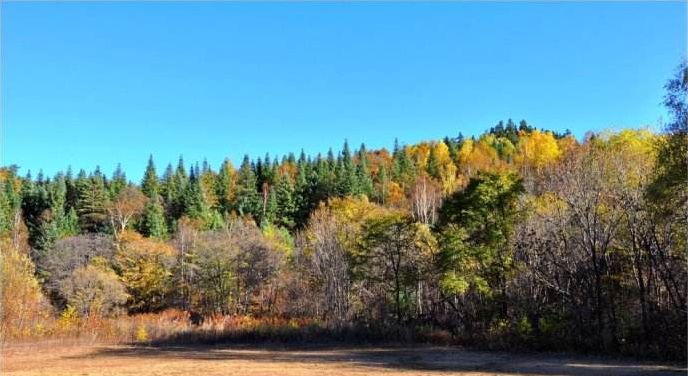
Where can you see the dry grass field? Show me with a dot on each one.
(57, 359)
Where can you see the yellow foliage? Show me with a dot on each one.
(537, 149)
(279, 239)
(640, 141)
(567, 144)
(630, 153)
(447, 168)
(396, 197)
(141, 333)
(479, 155)
(68, 318)
(145, 265)
(420, 153)
(23, 304)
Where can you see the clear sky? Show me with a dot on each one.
(86, 84)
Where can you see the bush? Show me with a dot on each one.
(23, 304)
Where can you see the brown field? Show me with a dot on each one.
(83, 359)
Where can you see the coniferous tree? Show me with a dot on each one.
(346, 173)
(270, 212)
(195, 204)
(166, 181)
(175, 192)
(226, 187)
(402, 166)
(363, 178)
(433, 169)
(150, 184)
(247, 199)
(118, 182)
(285, 202)
(92, 203)
(56, 222)
(152, 223)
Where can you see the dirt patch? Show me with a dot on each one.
(84, 359)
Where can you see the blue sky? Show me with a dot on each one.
(86, 84)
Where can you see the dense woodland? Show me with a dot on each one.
(520, 236)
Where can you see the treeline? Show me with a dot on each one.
(517, 237)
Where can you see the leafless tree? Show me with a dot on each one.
(426, 198)
(331, 266)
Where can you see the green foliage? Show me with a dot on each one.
(247, 199)
(592, 257)
(150, 184)
(671, 176)
(92, 203)
(152, 223)
(477, 225)
(118, 182)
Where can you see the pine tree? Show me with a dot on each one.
(150, 184)
(195, 204)
(247, 199)
(270, 213)
(166, 181)
(433, 169)
(119, 181)
(152, 223)
(402, 166)
(346, 173)
(92, 203)
(225, 187)
(363, 178)
(285, 202)
(175, 192)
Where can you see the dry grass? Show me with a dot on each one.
(45, 358)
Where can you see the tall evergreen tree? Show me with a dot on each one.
(247, 198)
(195, 204)
(225, 187)
(403, 171)
(118, 182)
(92, 203)
(285, 202)
(152, 223)
(363, 179)
(433, 168)
(346, 173)
(150, 184)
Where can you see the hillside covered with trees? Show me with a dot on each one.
(518, 237)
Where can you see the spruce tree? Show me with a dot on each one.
(195, 204)
(433, 168)
(152, 223)
(92, 203)
(402, 166)
(247, 198)
(225, 187)
(363, 178)
(270, 214)
(119, 181)
(346, 173)
(150, 184)
(285, 202)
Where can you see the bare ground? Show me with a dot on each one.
(81, 359)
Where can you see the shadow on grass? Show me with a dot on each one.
(422, 358)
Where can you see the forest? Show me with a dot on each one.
(518, 238)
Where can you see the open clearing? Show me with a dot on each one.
(59, 359)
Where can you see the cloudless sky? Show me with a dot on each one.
(86, 84)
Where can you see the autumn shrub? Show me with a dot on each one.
(23, 306)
